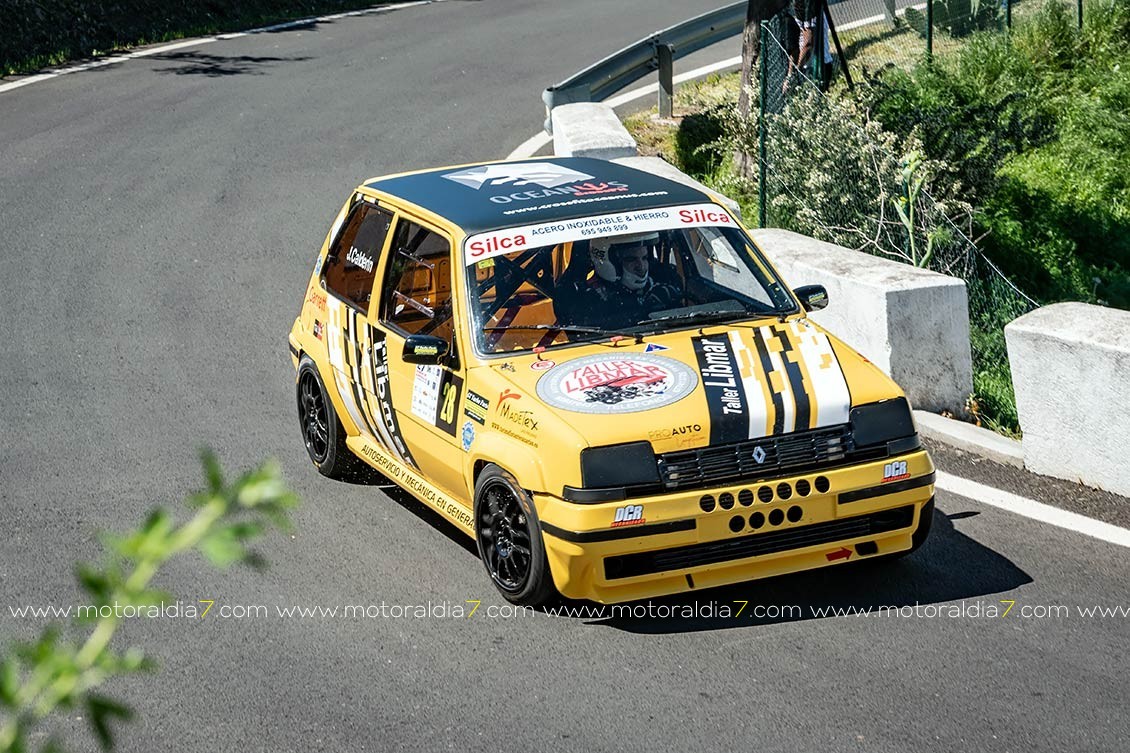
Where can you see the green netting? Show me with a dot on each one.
(833, 173)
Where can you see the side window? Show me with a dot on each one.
(417, 289)
(351, 265)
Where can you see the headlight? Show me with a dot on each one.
(883, 422)
(619, 465)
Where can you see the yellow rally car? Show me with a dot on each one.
(596, 373)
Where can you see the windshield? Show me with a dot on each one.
(633, 273)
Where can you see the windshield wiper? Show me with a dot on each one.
(704, 316)
(687, 316)
(599, 331)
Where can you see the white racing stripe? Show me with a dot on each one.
(1030, 508)
(102, 62)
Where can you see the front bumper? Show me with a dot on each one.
(680, 542)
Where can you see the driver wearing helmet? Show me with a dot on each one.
(623, 292)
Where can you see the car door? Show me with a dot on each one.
(349, 276)
(416, 299)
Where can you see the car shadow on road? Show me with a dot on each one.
(201, 64)
(949, 567)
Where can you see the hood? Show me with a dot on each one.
(689, 389)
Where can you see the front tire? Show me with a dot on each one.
(509, 539)
(322, 432)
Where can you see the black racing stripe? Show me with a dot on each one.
(796, 379)
(384, 397)
(350, 330)
(726, 399)
(767, 367)
(884, 489)
(293, 350)
(624, 532)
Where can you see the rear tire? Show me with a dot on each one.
(322, 432)
(509, 540)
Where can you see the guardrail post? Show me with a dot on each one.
(763, 89)
(554, 97)
(929, 27)
(666, 54)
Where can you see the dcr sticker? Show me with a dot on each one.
(611, 384)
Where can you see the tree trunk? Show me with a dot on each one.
(756, 12)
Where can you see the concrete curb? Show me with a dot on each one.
(970, 438)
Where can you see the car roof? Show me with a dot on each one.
(494, 195)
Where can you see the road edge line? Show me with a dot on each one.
(1030, 508)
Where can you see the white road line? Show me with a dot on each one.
(528, 147)
(113, 59)
(1030, 508)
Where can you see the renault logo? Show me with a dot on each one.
(759, 454)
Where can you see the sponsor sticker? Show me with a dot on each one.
(317, 299)
(611, 384)
(435, 396)
(544, 174)
(468, 436)
(628, 515)
(895, 471)
(318, 329)
(542, 365)
(476, 407)
(498, 242)
(318, 265)
(360, 259)
(654, 348)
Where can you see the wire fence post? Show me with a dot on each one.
(930, 27)
(1079, 6)
(666, 55)
(1008, 14)
(763, 95)
(818, 43)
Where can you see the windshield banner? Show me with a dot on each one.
(499, 242)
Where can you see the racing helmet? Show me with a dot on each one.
(607, 254)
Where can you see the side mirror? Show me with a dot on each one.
(425, 349)
(812, 297)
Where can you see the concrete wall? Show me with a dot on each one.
(1071, 369)
(910, 322)
(590, 129)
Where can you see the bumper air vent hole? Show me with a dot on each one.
(745, 496)
(776, 517)
(757, 520)
(765, 494)
(794, 514)
(726, 500)
(737, 523)
(822, 484)
(706, 503)
(803, 488)
(784, 491)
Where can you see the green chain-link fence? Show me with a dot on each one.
(828, 170)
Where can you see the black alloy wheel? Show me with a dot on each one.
(504, 537)
(509, 539)
(322, 432)
(312, 411)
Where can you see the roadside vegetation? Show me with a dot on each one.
(37, 34)
(1020, 141)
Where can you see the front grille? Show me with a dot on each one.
(798, 452)
(647, 563)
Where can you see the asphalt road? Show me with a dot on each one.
(159, 219)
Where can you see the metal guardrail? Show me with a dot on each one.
(654, 52)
